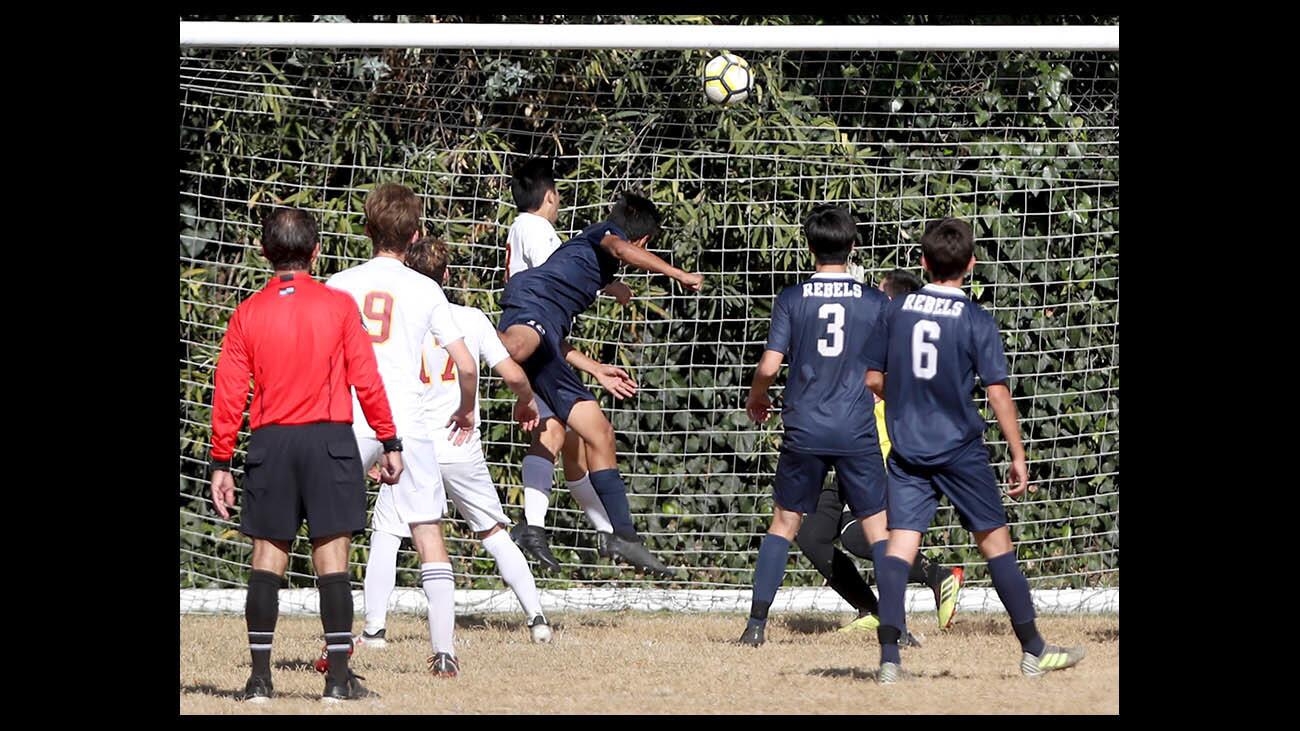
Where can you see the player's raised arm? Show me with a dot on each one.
(633, 255)
(758, 405)
(612, 378)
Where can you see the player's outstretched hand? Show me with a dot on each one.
(391, 471)
(462, 425)
(616, 381)
(620, 292)
(526, 413)
(759, 407)
(1019, 478)
(691, 281)
(223, 493)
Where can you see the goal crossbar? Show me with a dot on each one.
(194, 34)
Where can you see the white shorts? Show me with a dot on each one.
(469, 485)
(418, 496)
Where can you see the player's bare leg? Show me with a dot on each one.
(538, 476)
(440, 590)
(587, 419)
(329, 557)
(513, 568)
(520, 342)
(1038, 657)
(769, 571)
(261, 610)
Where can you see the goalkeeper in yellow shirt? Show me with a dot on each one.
(831, 520)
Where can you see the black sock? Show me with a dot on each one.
(336, 618)
(923, 572)
(261, 609)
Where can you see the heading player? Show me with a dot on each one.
(530, 242)
(538, 308)
(823, 325)
(399, 308)
(932, 345)
(464, 471)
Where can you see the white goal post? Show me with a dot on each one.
(1037, 174)
(195, 34)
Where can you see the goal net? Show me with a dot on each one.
(1024, 145)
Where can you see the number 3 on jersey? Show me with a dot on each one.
(925, 357)
(833, 346)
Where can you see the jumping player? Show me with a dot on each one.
(931, 346)
(464, 471)
(538, 308)
(823, 325)
(399, 307)
(833, 519)
(530, 242)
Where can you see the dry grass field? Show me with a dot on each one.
(640, 663)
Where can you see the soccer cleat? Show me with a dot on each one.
(376, 641)
(533, 540)
(1054, 657)
(753, 635)
(889, 673)
(634, 552)
(443, 665)
(945, 597)
(540, 630)
(257, 690)
(865, 623)
(602, 544)
(322, 664)
(345, 690)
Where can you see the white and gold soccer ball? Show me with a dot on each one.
(727, 79)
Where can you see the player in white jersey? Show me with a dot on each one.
(464, 471)
(399, 308)
(530, 242)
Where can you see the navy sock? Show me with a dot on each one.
(768, 574)
(1013, 590)
(613, 495)
(891, 578)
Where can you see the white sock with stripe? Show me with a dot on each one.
(440, 589)
(513, 568)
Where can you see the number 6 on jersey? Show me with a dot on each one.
(925, 357)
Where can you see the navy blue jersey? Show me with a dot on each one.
(933, 343)
(822, 326)
(568, 281)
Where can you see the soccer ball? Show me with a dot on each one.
(727, 79)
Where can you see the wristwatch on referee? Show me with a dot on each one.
(392, 445)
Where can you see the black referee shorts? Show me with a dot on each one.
(303, 471)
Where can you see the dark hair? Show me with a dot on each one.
(289, 235)
(831, 233)
(948, 245)
(429, 256)
(392, 217)
(530, 182)
(900, 281)
(636, 215)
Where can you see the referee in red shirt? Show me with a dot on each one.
(303, 344)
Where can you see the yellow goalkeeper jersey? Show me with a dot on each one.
(880, 429)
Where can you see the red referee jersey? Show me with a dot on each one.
(303, 344)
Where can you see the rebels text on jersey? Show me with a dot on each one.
(399, 307)
(822, 326)
(441, 389)
(933, 343)
(569, 281)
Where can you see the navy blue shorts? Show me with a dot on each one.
(968, 481)
(555, 383)
(861, 478)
